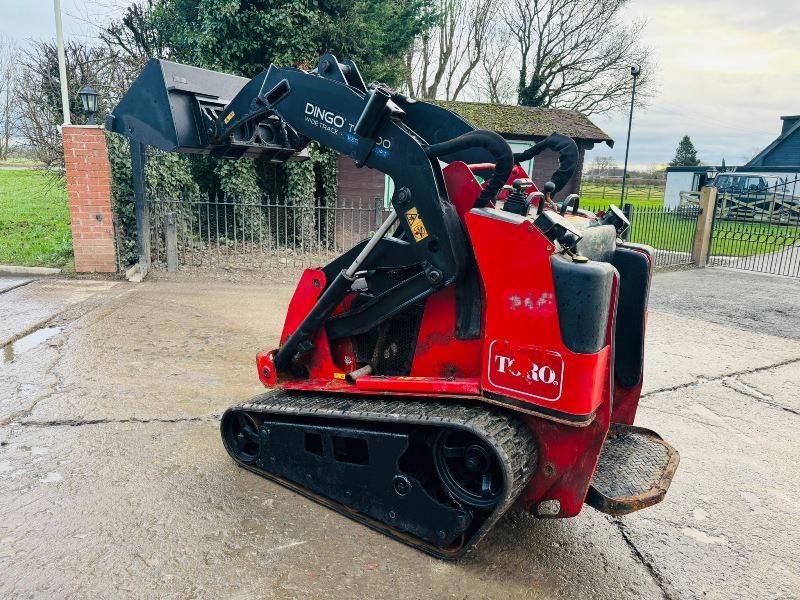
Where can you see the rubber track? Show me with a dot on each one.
(509, 437)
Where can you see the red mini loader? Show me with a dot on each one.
(483, 348)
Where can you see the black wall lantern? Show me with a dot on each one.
(89, 100)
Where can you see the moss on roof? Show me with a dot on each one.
(527, 121)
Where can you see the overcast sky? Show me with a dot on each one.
(727, 70)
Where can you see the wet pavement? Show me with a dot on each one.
(113, 481)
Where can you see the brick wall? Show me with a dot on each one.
(358, 186)
(546, 164)
(88, 175)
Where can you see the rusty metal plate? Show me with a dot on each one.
(635, 470)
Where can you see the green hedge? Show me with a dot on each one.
(245, 181)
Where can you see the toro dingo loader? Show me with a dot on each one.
(483, 348)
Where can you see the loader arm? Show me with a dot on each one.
(328, 111)
(276, 114)
(364, 125)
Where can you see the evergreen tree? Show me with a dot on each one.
(686, 154)
(244, 37)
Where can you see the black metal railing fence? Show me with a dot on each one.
(758, 230)
(274, 234)
(278, 234)
(670, 231)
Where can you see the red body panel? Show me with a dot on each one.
(519, 362)
(522, 324)
(462, 187)
(438, 352)
(463, 387)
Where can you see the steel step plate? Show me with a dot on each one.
(635, 470)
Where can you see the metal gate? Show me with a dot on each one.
(758, 230)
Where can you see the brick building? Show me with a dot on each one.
(522, 126)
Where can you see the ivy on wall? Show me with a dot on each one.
(246, 183)
(167, 176)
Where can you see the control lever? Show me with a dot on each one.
(549, 188)
(557, 229)
(539, 197)
(614, 216)
(516, 202)
(571, 200)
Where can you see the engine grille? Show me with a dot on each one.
(390, 346)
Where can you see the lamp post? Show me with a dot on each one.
(635, 70)
(62, 62)
(89, 100)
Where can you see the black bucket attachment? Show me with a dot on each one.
(175, 108)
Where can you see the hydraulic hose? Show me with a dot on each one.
(495, 145)
(568, 157)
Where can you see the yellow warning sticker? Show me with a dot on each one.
(338, 375)
(415, 223)
(229, 117)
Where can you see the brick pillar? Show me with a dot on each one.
(89, 189)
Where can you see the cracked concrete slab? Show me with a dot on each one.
(154, 509)
(778, 386)
(728, 528)
(9, 283)
(26, 307)
(683, 349)
(170, 350)
(113, 480)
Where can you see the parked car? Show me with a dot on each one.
(748, 188)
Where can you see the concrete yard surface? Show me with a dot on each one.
(114, 482)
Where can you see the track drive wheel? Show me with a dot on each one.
(240, 434)
(468, 468)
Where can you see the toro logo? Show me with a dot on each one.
(526, 370)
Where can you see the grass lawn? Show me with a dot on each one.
(598, 195)
(663, 231)
(34, 219)
(666, 231)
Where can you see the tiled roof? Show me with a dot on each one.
(526, 121)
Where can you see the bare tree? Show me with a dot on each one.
(576, 54)
(9, 54)
(603, 166)
(39, 97)
(444, 59)
(136, 36)
(497, 83)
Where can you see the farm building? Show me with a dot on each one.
(780, 159)
(522, 126)
(785, 150)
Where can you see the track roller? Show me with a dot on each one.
(431, 474)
